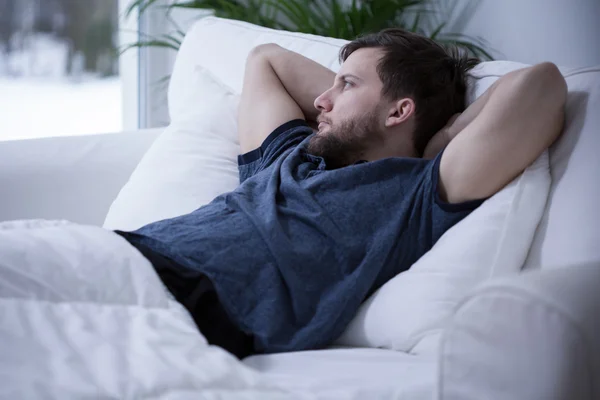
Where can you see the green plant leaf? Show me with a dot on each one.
(189, 4)
(355, 20)
(295, 17)
(173, 39)
(178, 29)
(319, 15)
(415, 24)
(337, 18)
(303, 8)
(163, 81)
(472, 45)
(140, 5)
(475, 42)
(285, 9)
(437, 30)
(320, 8)
(324, 17)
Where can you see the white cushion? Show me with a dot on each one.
(221, 46)
(68, 177)
(189, 164)
(528, 337)
(569, 232)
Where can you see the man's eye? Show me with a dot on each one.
(347, 84)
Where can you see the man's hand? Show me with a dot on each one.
(503, 132)
(279, 85)
(441, 138)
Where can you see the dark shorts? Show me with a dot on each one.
(196, 293)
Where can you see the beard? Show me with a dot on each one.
(347, 143)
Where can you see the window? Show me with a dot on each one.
(59, 69)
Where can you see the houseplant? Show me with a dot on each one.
(334, 18)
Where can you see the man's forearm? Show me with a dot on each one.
(460, 121)
(303, 78)
(474, 109)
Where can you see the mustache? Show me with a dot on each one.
(322, 118)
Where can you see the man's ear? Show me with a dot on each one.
(400, 112)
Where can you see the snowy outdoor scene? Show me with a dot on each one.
(58, 68)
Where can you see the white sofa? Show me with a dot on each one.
(532, 335)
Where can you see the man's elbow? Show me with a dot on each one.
(555, 91)
(552, 82)
(263, 50)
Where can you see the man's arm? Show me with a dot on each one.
(502, 133)
(279, 85)
(456, 124)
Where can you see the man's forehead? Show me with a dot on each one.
(362, 63)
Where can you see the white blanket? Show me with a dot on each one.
(83, 315)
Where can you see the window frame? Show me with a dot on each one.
(144, 100)
(131, 71)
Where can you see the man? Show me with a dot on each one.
(320, 221)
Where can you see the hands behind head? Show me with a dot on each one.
(440, 139)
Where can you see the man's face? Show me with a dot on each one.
(351, 118)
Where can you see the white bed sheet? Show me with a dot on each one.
(84, 315)
(351, 373)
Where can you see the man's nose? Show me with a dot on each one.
(323, 102)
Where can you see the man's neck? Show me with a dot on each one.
(388, 151)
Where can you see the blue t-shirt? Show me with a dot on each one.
(296, 248)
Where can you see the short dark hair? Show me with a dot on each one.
(414, 66)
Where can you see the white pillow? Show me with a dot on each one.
(190, 163)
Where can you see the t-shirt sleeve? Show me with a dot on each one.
(443, 214)
(278, 143)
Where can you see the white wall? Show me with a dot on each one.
(566, 32)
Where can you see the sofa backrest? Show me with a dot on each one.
(569, 233)
(570, 230)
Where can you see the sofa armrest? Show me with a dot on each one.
(74, 177)
(535, 335)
